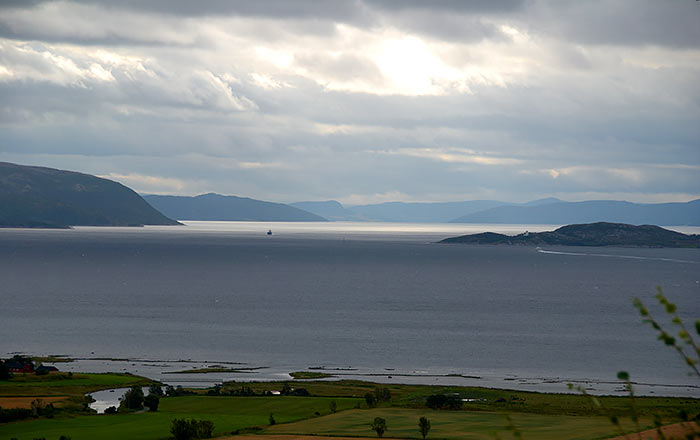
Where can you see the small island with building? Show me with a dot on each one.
(590, 234)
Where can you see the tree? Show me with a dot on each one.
(383, 394)
(133, 399)
(271, 419)
(423, 426)
(379, 426)
(36, 406)
(286, 389)
(370, 400)
(151, 402)
(4, 371)
(333, 406)
(156, 390)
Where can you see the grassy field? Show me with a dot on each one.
(490, 399)
(227, 413)
(71, 388)
(403, 423)
(65, 383)
(538, 416)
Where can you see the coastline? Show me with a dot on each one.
(192, 373)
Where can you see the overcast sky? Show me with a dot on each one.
(359, 101)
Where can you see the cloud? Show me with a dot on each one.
(359, 100)
(148, 184)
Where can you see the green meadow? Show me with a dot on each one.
(536, 415)
(403, 423)
(227, 413)
(65, 383)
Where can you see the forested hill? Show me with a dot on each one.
(50, 198)
(215, 207)
(592, 234)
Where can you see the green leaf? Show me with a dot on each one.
(670, 308)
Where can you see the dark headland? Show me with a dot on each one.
(38, 197)
(590, 234)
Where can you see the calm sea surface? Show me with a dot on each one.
(376, 299)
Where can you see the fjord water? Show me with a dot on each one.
(381, 298)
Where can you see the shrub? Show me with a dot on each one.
(289, 391)
(12, 414)
(111, 410)
(177, 391)
(183, 429)
(303, 392)
(205, 429)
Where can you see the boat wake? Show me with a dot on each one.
(631, 257)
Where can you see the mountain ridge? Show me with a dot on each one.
(41, 197)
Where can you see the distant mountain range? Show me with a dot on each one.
(49, 198)
(560, 213)
(404, 212)
(592, 234)
(46, 197)
(330, 210)
(543, 211)
(215, 207)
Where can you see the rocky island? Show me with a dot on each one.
(590, 234)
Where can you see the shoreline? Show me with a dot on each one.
(191, 373)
